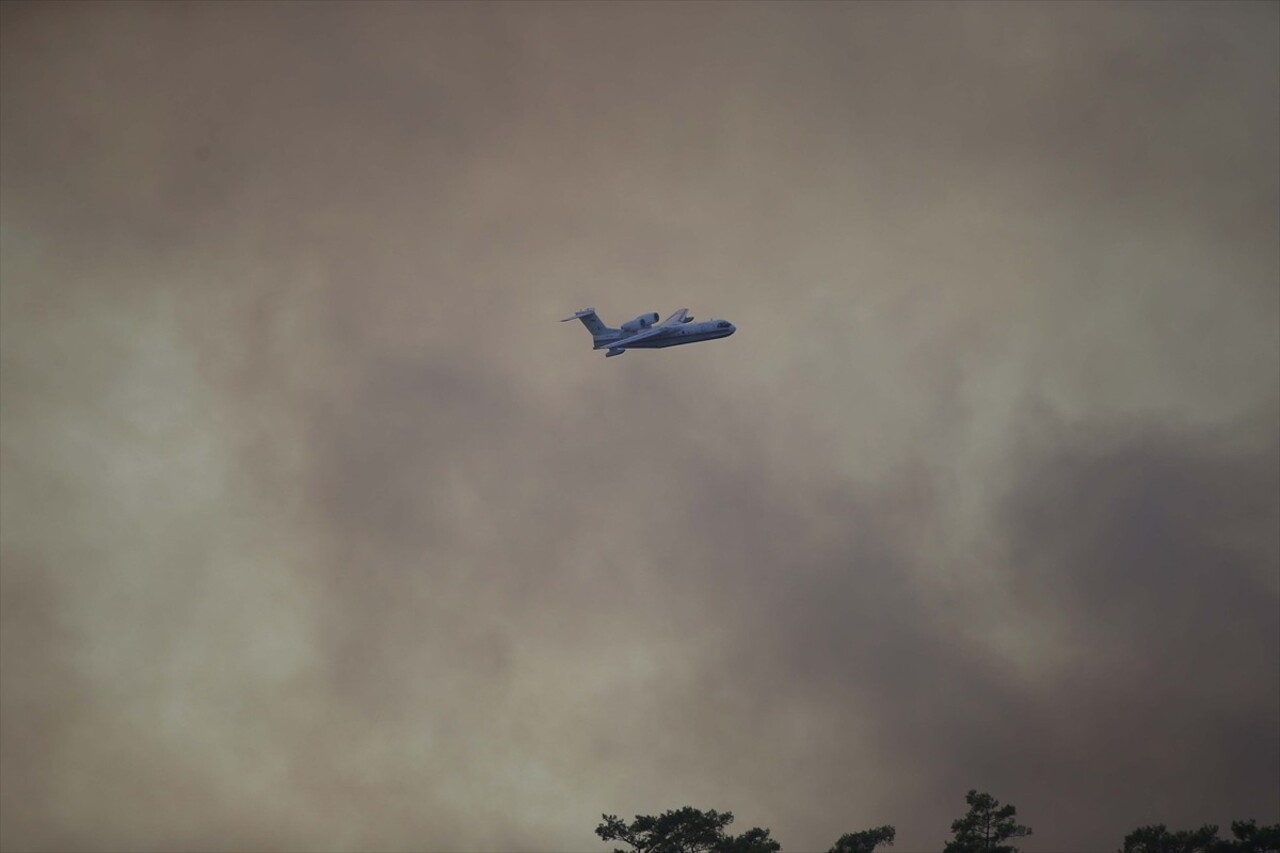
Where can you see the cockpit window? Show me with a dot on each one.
(722, 325)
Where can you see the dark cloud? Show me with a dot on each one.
(1147, 555)
(1154, 554)
(319, 532)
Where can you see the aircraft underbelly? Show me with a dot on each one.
(660, 343)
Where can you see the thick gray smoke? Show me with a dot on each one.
(319, 532)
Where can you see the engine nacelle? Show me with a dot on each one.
(644, 321)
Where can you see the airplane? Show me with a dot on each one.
(645, 332)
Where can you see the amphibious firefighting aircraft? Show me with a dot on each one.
(645, 332)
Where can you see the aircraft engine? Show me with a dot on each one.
(644, 321)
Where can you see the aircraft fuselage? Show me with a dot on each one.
(645, 332)
(689, 333)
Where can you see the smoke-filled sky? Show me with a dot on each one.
(321, 533)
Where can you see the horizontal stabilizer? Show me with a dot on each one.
(594, 324)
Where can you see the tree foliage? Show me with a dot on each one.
(754, 840)
(865, 841)
(686, 830)
(986, 827)
(1249, 838)
(1158, 839)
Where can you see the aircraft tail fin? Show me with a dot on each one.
(592, 321)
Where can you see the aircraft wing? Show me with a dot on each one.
(675, 319)
(651, 332)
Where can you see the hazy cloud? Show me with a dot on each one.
(319, 532)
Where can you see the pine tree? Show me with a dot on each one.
(986, 827)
